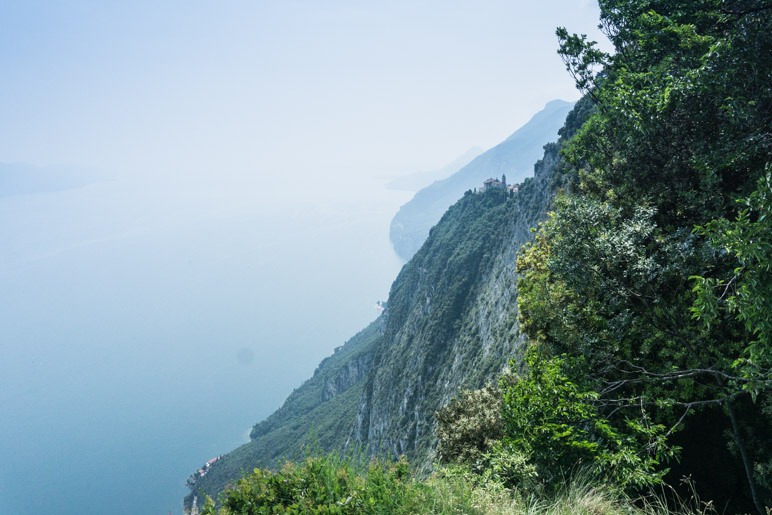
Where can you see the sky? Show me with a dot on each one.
(243, 92)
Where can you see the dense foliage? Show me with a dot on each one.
(350, 486)
(468, 427)
(651, 278)
(321, 485)
(554, 424)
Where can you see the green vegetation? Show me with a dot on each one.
(651, 278)
(353, 486)
(322, 485)
(553, 424)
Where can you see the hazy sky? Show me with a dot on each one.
(239, 90)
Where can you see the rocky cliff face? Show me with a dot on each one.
(450, 324)
(452, 317)
(350, 374)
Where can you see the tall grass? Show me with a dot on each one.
(332, 485)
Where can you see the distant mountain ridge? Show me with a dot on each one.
(418, 180)
(513, 157)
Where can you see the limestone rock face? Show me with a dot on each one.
(350, 374)
(452, 317)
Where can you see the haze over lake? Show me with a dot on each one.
(144, 332)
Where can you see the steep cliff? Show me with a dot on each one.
(450, 323)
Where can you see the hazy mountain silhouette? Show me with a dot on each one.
(514, 157)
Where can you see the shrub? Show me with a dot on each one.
(468, 427)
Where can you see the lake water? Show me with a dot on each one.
(144, 332)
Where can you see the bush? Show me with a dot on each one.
(319, 485)
(553, 425)
(468, 426)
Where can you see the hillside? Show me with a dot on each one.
(450, 324)
(514, 157)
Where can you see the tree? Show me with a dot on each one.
(554, 421)
(746, 292)
(649, 272)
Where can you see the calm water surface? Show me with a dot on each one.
(144, 333)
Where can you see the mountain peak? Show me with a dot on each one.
(553, 115)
